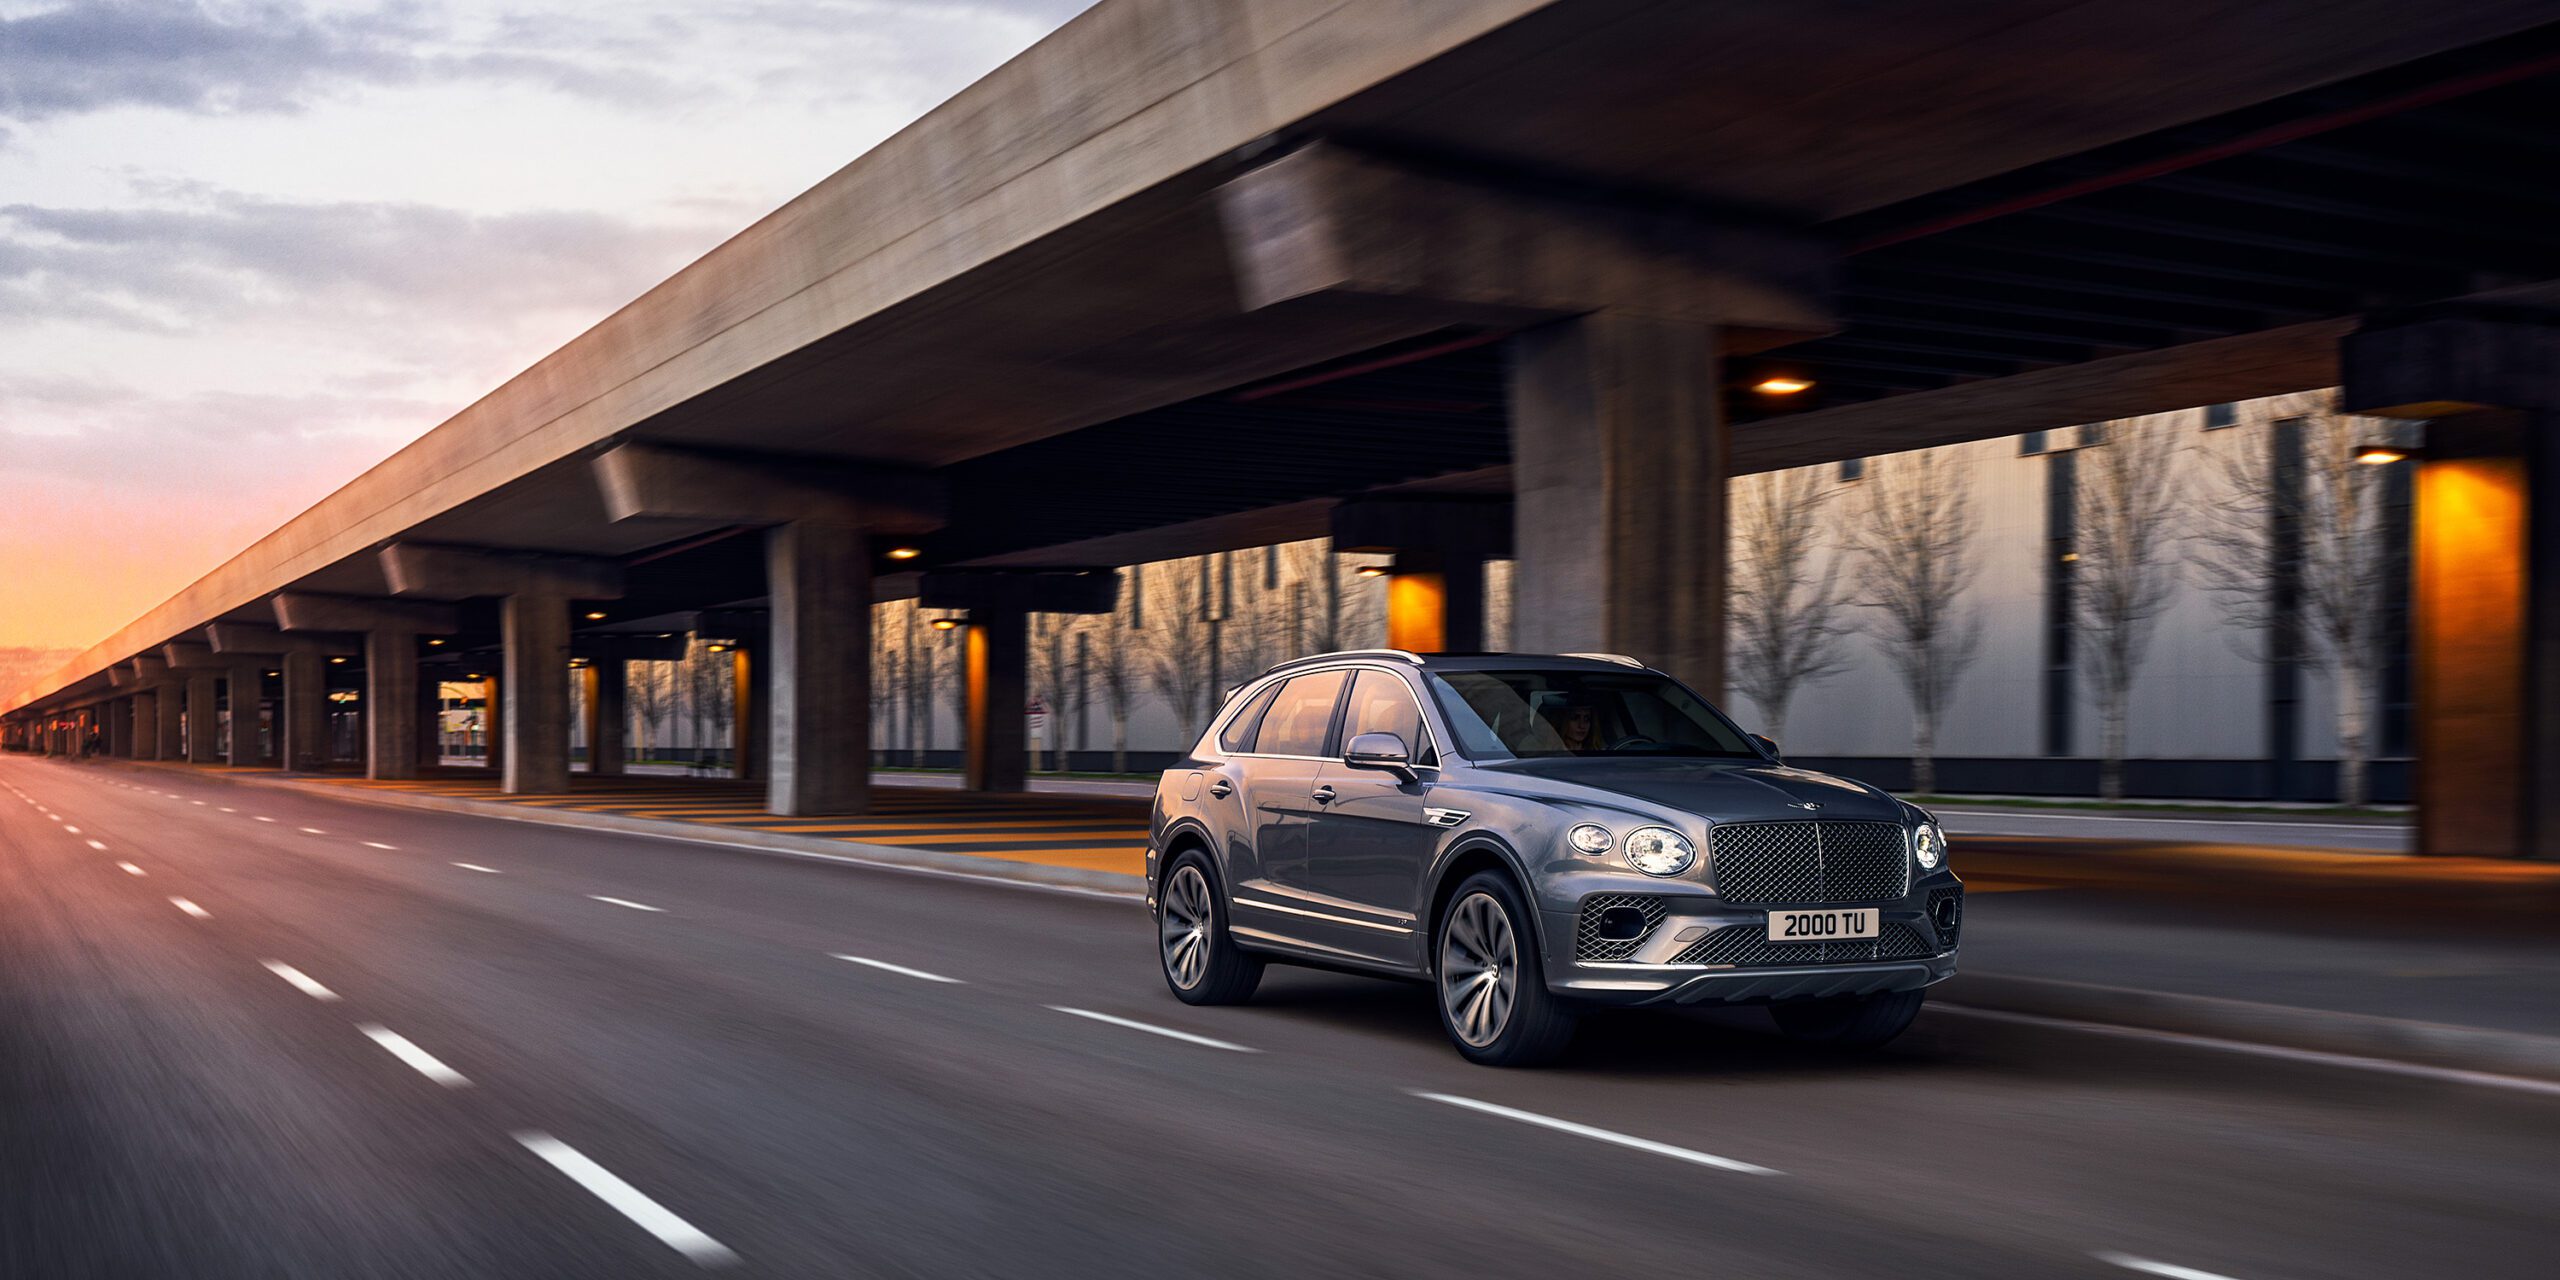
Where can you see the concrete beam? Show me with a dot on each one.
(439, 572)
(1327, 220)
(301, 611)
(2451, 362)
(153, 668)
(1479, 526)
(1021, 590)
(189, 657)
(249, 640)
(614, 647)
(648, 481)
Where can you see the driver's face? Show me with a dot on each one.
(1578, 722)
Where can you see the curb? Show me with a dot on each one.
(2428, 1044)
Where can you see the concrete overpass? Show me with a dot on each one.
(1451, 278)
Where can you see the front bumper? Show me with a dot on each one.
(1698, 950)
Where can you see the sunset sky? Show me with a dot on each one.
(248, 249)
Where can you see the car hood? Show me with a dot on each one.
(1717, 790)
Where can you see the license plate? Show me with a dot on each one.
(1824, 926)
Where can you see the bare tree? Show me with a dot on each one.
(646, 690)
(1052, 681)
(2124, 538)
(1315, 598)
(2314, 515)
(710, 689)
(1914, 545)
(1783, 590)
(1115, 670)
(1178, 634)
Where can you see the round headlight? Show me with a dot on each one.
(1590, 839)
(1929, 846)
(1659, 851)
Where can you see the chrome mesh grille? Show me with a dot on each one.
(1952, 925)
(1768, 862)
(1587, 942)
(1748, 945)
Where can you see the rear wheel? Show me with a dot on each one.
(1848, 1022)
(1494, 1001)
(1201, 961)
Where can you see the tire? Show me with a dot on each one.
(1848, 1022)
(1493, 997)
(1200, 959)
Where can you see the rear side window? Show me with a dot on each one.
(1239, 730)
(1296, 722)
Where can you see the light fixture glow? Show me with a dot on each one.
(1781, 385)
(430, 644)
(340, 661)
(905, 553)
(946, 624)
(1372, 571)
(595, 615)
(2374, 455)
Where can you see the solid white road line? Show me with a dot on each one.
(1167, 1032)
(2148, 1267)
(301, 981)
(897, 968)
(423, 1062)
(376, 844)
(474, 866)
(2387, 1066)
(131, 870)
(1601, 1135)
(625, 902)
(625, 1199)
(191, 908)
(99, 845)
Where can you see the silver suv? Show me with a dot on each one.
(1534, 836)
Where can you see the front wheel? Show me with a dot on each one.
(1201, 961)
(1848, 1022)
(1494, 1001)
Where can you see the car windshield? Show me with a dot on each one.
(1536, 713)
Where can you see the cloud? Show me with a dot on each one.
(196, 257)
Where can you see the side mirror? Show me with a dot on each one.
(1769, 745)
(1381, 751)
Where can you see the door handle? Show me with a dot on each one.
(1221, 789)
(1324, 795)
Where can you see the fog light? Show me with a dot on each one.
(1618, 924)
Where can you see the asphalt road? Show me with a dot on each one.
(249, 1033)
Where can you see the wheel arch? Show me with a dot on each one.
(1464, 859)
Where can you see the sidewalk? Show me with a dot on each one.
(2443, 962)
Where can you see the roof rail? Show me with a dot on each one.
(1400, 655)
(1619, 658)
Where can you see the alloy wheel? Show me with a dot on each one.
(1479, 969)
(1185, 926)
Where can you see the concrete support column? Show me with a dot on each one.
(430, 720)
(493, 725)
(170, 711)
(607, 682)
(120, 728)
(204, 740)
(535, 680)
(998, 672)
(746, 707)
(146, 725)
(391, 703)
(306, 711)
(818, 663)
(244, 685)
(1618, 452)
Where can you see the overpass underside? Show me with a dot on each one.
(1526, 298)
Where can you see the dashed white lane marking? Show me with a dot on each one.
(1167, 1032)
(228, 809)
(99, 845)
(132, 870)
(376, 844)
(2148, 1267)
(263, 818)
(423, 1062)
(198, 802)
(191, 908)
(627, 1200)
(897, 969)
(301, 981)
(1598, 1135)
(625, 902)
(474, 866)
(68, 827)
(311, 831)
